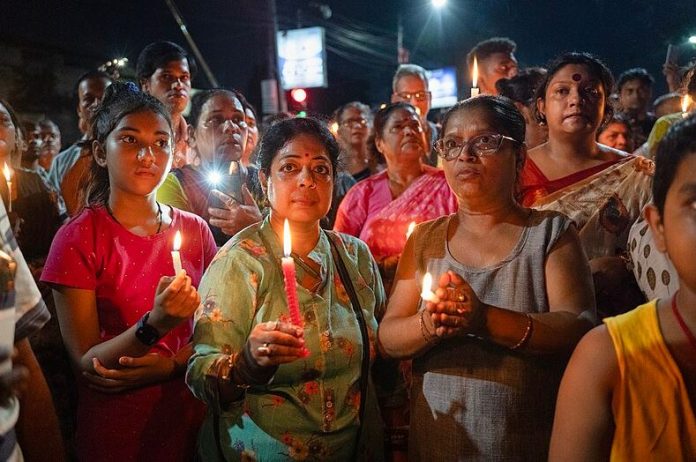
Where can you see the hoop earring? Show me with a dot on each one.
(542, 119)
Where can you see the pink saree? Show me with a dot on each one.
(370, 213)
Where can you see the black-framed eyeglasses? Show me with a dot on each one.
(478, 146)
(417, 96)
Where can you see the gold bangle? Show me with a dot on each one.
(427, 336)
(527, 333)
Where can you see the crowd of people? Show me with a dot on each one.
(466, 288)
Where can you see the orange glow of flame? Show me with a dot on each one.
(177, 241)
(427, 293)
(685, 103)
(287, 244)
(474, 73)
(7, 172)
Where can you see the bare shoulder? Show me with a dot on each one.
(596, 357)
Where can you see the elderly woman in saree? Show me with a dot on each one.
(380, 208)
(601, 189)
(513, 299)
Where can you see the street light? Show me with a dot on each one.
(439, 3)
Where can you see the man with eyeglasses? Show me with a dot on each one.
(496, 60)
(410, 85)
(164, 70)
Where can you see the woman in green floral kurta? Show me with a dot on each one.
(267, 401)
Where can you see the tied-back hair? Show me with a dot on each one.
(379, 122)
(284, 131)
(120, 99)
(200, 98)
(502, 113)
(596, 69)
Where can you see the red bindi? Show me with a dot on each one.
(577, 77)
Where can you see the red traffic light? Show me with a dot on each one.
(298, 95)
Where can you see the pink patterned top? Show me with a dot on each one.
(371, 213)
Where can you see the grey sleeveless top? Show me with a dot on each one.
(472, 399)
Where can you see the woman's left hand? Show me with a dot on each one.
(134, 373)
(458, 309)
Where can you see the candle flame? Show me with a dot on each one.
(426, 291)
(411, 227)
(233, 167)
(474, 73)
(177, 241)
(7, 172)
(685, 103)
(333, 128)
(287, 244)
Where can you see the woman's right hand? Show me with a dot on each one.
(176, 299)
(276, 342)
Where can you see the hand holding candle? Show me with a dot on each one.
(176, 257)
(426, 291)
(7, 171)
(288, 265)
(474, 79)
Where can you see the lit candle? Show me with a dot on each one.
(410, 229)
(288, 265)
(235, 181)
(474, 79)
(426, 292)
(685, 104)
(176, 257)
(8, 178)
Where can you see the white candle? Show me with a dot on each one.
(685, 103)
(410, 229)
(8, 178)
(474, 79)
(176, 257)
(426, 292)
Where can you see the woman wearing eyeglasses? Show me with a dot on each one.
(513, 297)
(380, 208)
(218, 136)
(354, 121)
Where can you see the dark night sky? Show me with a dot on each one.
(232, 34)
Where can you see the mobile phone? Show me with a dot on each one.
(672, 54)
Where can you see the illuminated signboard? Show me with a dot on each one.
(302, 58)
(443, 85)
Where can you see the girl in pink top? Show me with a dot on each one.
(125, 320)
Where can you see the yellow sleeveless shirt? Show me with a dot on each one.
(653, 417)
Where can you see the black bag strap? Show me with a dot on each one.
(365, 365)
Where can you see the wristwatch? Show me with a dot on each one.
(147, 334)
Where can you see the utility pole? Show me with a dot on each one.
(197, 53)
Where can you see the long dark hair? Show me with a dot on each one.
(15, 155)
(120, 100)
